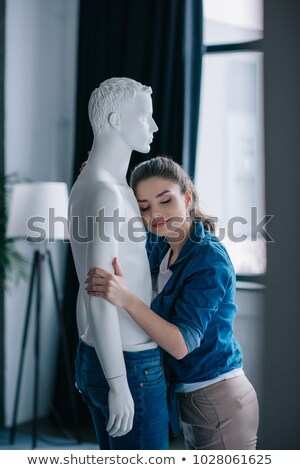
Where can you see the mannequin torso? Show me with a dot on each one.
(101, 193)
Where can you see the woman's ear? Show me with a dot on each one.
(114, 120)
(188, 198)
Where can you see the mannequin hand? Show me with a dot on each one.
(121, 407)
(111, 287)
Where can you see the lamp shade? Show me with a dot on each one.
(39, 211)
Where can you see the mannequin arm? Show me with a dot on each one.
(113, 288)
(103, 316)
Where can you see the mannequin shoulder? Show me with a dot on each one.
(88, 198)
(104, 188)
(104, 195)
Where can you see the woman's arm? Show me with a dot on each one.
(113, 288)
(167, 335)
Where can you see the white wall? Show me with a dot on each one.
(40, 86)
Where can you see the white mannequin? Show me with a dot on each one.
(120, 112)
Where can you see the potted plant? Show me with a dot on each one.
(13, 265)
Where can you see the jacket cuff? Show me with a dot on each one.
(190, 336)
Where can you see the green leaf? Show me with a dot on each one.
(13, 265)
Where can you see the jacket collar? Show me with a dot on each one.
(163, 246)
(195, 237)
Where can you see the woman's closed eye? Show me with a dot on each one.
(143, 209)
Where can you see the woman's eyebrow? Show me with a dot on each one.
(158, 195)
(161, 194)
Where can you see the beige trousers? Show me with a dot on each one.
(221, 416)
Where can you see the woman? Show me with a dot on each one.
(192, 312)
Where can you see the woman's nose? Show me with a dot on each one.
(156, 214)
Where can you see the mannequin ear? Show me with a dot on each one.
(114, 120)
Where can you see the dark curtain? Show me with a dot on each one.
(192, 64)
(158, 43)
(2, 172)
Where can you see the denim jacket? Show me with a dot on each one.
(199, 299)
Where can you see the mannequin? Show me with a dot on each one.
(102, 213)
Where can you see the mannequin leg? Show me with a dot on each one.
(148, 388)
(146, 380)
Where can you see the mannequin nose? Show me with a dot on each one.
(154, 127)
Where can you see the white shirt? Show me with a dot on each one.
(163, 275)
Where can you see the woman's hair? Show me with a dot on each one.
(165, 167)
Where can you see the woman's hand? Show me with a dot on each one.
(111, 287)
(84, 163)
(82, 166)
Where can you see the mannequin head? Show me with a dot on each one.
(112, 96)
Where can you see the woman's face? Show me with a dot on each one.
(163, 207)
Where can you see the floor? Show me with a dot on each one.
(50, 436)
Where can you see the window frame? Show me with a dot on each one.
(247, 46)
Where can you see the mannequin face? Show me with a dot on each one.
(137, 125)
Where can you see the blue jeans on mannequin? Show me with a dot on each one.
(146, 381)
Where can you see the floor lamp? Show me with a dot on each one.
(38, 212)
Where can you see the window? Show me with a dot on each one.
(230, 157)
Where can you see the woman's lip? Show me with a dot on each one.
(159, 224)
